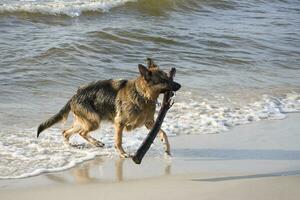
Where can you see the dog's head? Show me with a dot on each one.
(157, 80)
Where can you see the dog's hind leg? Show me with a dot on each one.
(66, 134)
(69, 132)
(88, 120)
(85, 134)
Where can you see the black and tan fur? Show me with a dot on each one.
(129, 104)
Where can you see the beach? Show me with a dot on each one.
(233, 127)
(255, 161)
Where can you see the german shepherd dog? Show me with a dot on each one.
(127, 103)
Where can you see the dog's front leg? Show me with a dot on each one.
(162, 135)
(164, 138)
(118, 140)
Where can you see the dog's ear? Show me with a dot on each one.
(144, 72)
(151, 63)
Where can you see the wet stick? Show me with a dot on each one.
(165, 106)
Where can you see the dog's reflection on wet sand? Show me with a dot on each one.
(99, 170)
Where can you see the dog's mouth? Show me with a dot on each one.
(175, 86)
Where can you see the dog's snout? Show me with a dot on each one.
(175, 86)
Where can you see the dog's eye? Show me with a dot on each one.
(162, 81)
(165, 80)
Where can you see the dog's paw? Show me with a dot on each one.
(167, 155)
(99, 144)
(67, 142)
(125, 155)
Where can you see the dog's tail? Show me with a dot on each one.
(62, 114)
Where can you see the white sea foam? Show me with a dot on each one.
(214, 116)
(71, 8)
(23, 155)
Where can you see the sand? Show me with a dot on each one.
(256, 161)
(174, 187)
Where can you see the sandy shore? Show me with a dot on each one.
(255, 161)
(174, 187)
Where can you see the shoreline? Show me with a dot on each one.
(264, 153)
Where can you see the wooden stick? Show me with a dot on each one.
(166, 105)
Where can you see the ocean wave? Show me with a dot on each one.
(75, 8)
(72, 8)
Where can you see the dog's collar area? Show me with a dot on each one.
(145, 99)
(141, 97)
